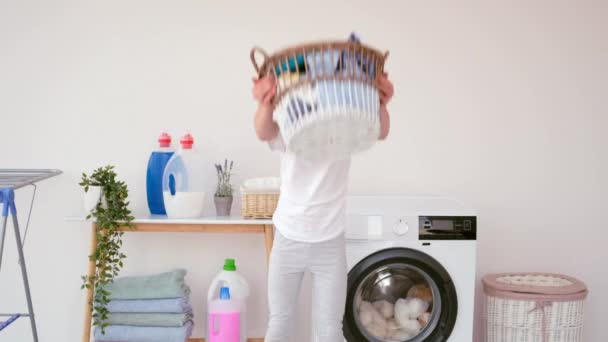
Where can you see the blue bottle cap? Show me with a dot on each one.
(224, 293)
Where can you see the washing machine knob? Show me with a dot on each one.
(401, 228)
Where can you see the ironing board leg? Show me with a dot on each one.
(88, 315)
(2, 234)
(26, 283)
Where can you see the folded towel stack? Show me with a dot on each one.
(267, 185)
(148, 309)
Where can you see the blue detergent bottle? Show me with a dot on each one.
(154, 175)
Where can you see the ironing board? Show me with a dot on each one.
(11, 180)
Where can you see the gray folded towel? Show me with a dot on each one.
(149, 319)
(158, 286)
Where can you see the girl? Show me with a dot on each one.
(310, 222)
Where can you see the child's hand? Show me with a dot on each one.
(386, 89)
(264, 90)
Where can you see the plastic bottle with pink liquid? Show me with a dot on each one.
(239, 290)
(224, 318)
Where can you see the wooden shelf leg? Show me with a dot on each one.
(88, 315)
(269, 237)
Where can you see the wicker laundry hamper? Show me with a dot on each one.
(259, 205)
(260, 197)
(327, 103)
(533, 307)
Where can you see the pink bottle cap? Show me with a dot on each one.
(164, 139)
(187, 141)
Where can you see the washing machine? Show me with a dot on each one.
(399, 248)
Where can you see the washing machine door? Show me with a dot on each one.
(399, 294)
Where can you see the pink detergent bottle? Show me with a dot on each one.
(224, 318)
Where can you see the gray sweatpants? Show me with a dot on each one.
(326, 261)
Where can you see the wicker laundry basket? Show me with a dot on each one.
(259, 205)
(533, 307)
(326, 104)
(260, 197)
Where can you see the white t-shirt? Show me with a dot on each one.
(312, 204)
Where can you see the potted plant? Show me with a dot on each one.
(223, 192)
(110, 213)
(92, 197)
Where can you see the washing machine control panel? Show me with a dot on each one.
(381, 227)
(401, 227)
(410, 228)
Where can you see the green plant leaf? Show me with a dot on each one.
(107, 256)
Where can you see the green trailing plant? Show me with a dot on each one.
(110, 214)
(224, 188)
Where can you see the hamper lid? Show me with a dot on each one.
(534, 286)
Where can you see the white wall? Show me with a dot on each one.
(500, 104)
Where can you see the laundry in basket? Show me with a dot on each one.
(327, 104)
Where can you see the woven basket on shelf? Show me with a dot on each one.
(259, 205)
(327, 103)
(533, 307)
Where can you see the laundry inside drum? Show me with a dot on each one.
(396, 303)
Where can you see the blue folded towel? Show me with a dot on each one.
(114, 333)
(151, 319)
(173, 305)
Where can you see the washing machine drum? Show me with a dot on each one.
(399, 294)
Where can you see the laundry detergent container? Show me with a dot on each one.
(239, 290)
(533, 307)
(225, 316)
(184, 184)
(327, 105)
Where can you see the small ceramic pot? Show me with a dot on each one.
(223, 205)
(91, 198)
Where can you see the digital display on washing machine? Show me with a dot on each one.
(447, 227)
(442, 224)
